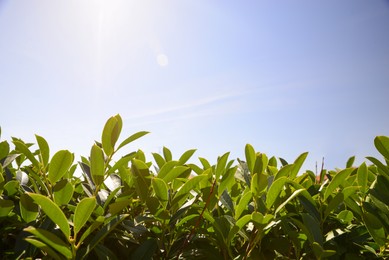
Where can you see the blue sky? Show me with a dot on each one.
(284, 76)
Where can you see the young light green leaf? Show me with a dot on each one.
(184, 192)
(161, 189)
(53, 212)
(382, 145)
(175, 172)
(97, 164)
(250, 157)
(28, 209)
(242, 205)
(259, 183)
(338, 179)
(221, 165)
(297, 165)
(167, 154)
(186, 156)
(345, 216)
(166, 168)
(284, 171)
(350, 162)
(51, 240)
(22, 147)
(59, 165)
(260, 164)
(362, 177)
(111, 133)
(142, 178)
(132, 138)
(274, 191)
(43, 149)
(82, 213)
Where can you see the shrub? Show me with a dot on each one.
(259, 208)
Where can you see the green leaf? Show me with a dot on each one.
(97, 164)
(228, 180)
(259, 183)
(345, 216)
(175, 172)
(161, 190)
(320, 253)
(43, 149)
(5, 207)
(184, 192)
(132, 138)
(4, 149)
(250, 157)
(44, 247)
(92, 227)
(28, 209)
(122, 162)
(205, 163)
(260, 163)
(53, 212)
(338, 179)
(380, 165)
(111, 133)
(221, 165)
(166, 168)
(274, 191)
(382, 145)
(186, 156)
(243, 221)
(350, 162)
(82, 213)
(63, 192)
(297, 165)
(159, 160)
(284, 171)
(22, 147)
(167, 154)
(118, 206)
(362, 177)
(294, 194)
(51, 240)
(375, 228)
(142, 178)
(59, 165)
(243, 202)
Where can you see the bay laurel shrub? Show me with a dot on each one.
(125, 207)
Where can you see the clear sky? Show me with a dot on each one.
(284, 76)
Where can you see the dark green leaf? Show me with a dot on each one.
(146, 250)
(44, 247)
(5, 207)
(375, 228)
(51, 240)
(28, 209)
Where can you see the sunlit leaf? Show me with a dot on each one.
(59, 165)
(82, 213)
(97, 164)
(53, 212)
(132, 138)
(111, 134)
(242, 205)
(44, 247)
(28, 209)
(161, 189)
(43, 149)
(297, 165)
(63, 192)
(375, 228)
(274, 191)
(382, 145)
(362, 177)
(250, 157)
(186, 156)
(338, 179)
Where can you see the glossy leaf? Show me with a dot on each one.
(53, 212)
(63, 192)
(362, 177)
(242, 205)
(82, 213)
(186, 188)
(132, 138)
(161, 189)
(186, 156)
(167, 154)
(250, 157)
(111, 134)
(221, 165)
(338, 179)
(350, 162)
(175, 172)
(274, 191)
(44, 247)
(382, 145)
(375, 228)
(22, 147)
(59, 165)
(97, 165)
(4, 149)
(159, 159)
(43, 149)
(297, 165)
(51, 240)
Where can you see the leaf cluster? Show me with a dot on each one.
(130, 208)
